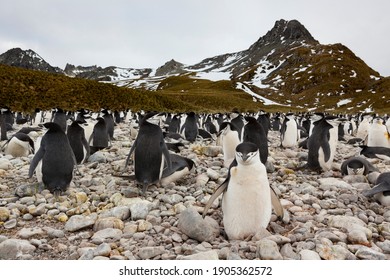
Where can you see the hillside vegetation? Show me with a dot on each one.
(25, 90)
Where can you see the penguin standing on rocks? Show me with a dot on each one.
(151, 155)
(229, 139)
(289, 132)
(99, 138)
(78, 142)
(322, 144)
(378, 136)
(56, 157)
(237, 120)
(254, 132)
(110, 124)
(3, 126)
(190, 127)
(364, 126)
(247, 196)
(174, 125)
(264, 120)
(60, 119)
(381, 190)
(19, 145)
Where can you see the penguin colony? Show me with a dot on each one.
(68, 139)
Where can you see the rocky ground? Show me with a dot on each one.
(102, 216)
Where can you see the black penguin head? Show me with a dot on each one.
(247, 153)
(52, 127)
(355, 167)
(377, 120)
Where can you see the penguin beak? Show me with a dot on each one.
(244, 157)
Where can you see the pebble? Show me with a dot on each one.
(107, 233)
(268, 250)
(309, 255)
(12, 249)
(208, 255)
(365, 253)
(26, 233)
(150, 252)
(4, 214)
(192, 224)
(78, 222)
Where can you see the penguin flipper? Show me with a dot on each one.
(131, 151)
(276, 205)
(86, 146)
(36, 159)
(221, 189)
(166, 154)
(382, 187)
(326, 149)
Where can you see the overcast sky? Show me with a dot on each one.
(147, 33)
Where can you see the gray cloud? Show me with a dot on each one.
(149, 33)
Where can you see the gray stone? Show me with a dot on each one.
(97, 157)
(172, 199)
(12, 249)
(88, 255)
(150, 252)
(287, 252)
(26, 233)
(4, 214)
(108, 222)
(120, 212)
(331, 183)
(139, 208)
(193, 225)
(27, 190)
(212, 151)
(5, 164)
(102, 250)
(54, 233)
(78, 222)
(353, 179)
(10, 224)
(37, 210)
(385, 246)
(268, 250)
(366, 253)
(309, 255)
(208, 255)
(107, 233)
(334, 252)
(212, 174)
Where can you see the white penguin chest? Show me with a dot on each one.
(378, 136)
(246, 205)
(290, 138)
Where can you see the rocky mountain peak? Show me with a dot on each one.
(285, 32)
(169, 68)
(27, 59)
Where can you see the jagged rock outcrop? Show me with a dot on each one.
(27, 59)
(172, 67)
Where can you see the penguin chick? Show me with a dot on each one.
(247, 196)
